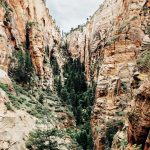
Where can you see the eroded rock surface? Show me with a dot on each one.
(109, 45)
(28, 25)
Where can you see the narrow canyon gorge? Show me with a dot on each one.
(88, 89)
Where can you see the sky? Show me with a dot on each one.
(71, 13)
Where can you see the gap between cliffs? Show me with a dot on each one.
(77, 96)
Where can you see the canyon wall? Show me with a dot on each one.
(109, 45)
(28, 25)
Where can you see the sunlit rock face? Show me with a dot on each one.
(27, 24)
(109, 45)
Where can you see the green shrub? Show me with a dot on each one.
(137, 147)
(123, 144)
(120, 113)
(47, 51)
(55, 66)
(14, 101)
(5, 6)
(111, 40)
(41, 140)
(112, 129)
(121, 88)
(143, 62)
(80, 99)
(9, 106)
(4, 87)
(145, 9)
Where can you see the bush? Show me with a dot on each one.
(9, 106)
(143, 62)
(112, 129)
(123, 144)
(40, 140)
(5, 6)
(55, 66)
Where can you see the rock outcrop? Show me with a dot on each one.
(27, 25)
(139, 118)
(109, 45)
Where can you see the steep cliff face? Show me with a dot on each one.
(28, 25)
(109, 44)
(27, 28)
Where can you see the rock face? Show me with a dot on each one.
(28, 25)
(25, 25)
(109, 45)
(139, 118)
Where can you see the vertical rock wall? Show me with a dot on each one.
(109, 44)
(28, 25)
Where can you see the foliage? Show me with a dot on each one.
(123, 144)
(81, 137)
(121, 88)
(5, 6)
(145, 9)
(111, 40)
(55, 66)
(74, 134)
(137, 147)
(9, 106)
(40, 140)
(56, 73)
(15, 102)
(47, 51)
(34, 108)
(23, 70)
(112, 129)
(76, 94)
(143, 62)
(8, 10)
(120, 113)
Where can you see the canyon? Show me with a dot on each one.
(111, 49)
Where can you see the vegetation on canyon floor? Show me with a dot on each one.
(78, 97)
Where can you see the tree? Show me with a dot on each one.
(23, 71)
(76, 93)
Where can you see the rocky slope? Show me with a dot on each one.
(109, 44)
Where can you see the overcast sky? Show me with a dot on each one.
(71, 13)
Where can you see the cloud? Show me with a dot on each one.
(70, 13)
